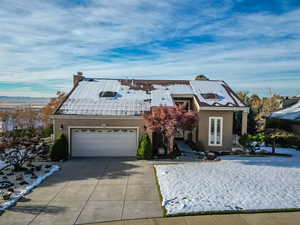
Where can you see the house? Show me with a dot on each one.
(287, 118)
(104, 117)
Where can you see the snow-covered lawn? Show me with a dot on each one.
(234, 183)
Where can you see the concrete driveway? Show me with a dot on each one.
(89, 190)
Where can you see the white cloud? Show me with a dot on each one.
(43, 40)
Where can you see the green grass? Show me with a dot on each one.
(224, 212)
(159, 192)
(219, 212)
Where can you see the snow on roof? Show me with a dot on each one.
(226, 95)
(290, 113)
(137, 96)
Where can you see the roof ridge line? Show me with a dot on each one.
(103, 78)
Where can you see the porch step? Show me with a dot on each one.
(237, 148)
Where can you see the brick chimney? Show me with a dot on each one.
(77, 78)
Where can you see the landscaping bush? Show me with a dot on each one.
(245, 140)
(46, 132)
(23, 132)
(144, 150)
(282, 138)
(272, 137)
(59, 150)
(259, 137)
(248, 141)
(17, 158)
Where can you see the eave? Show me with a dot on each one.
(95, 117)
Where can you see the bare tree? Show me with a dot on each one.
(20, 155)
(25, 118)
(51, 107)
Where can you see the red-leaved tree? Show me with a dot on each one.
(169, 121)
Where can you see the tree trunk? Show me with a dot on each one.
(171, 144)
(18, 168)
(273, 146)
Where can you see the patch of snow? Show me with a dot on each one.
(27, 189)
(2, 164)
(161, 97)
(234, 183)
(176, 89)
(85, 100)
(216, 87)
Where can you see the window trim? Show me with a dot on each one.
(215, 134)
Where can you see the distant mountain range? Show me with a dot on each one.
(36, 100)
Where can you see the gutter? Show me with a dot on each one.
(282, 119)
(206, 108)
(91, 117)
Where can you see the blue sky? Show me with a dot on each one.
(254, 45)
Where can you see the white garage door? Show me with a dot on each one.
(104, 142)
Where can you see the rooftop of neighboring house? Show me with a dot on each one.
(290, 113)
(102, 96)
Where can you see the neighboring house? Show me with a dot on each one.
(289, 101)
(288, 117)
(104, 117)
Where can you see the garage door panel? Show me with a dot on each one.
(103, 142)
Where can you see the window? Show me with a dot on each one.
(105, 94)
(215, 131)
(187, 103)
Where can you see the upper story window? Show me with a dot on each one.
(186, 103)
(107, 94)
(215, 131)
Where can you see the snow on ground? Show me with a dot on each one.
(25, 189)
(234, 183)
(2, 164)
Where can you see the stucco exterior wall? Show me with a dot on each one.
(203, 129)
(202, 134)
(66, 123)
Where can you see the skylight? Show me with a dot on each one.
(107, 94)
(212, 96)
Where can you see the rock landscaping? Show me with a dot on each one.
(23, 166)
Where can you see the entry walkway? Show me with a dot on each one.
(187, 151)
